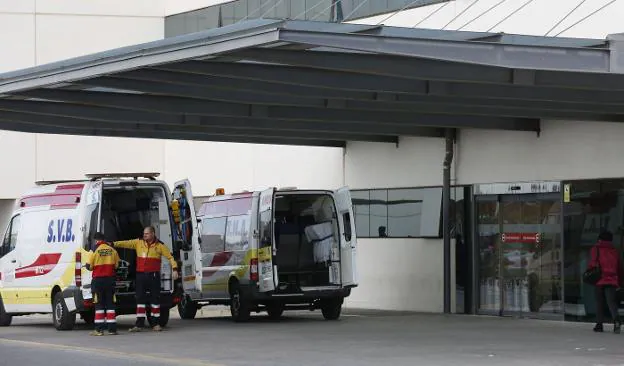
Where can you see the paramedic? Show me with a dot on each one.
(103, 262)
(149, 251)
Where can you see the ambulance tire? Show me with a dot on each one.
(187, 308)
(240, 307)
(63, 318)
(162, 320)
(331, 308)
(5, 319)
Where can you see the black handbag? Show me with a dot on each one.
(593, 275)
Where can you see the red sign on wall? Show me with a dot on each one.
(520, 237)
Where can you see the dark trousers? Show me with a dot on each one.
(147, 282)
(606, 293)
(104, 299)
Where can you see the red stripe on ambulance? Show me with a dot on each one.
(44, 264)
(65, 196)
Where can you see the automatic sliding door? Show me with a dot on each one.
(519, 242)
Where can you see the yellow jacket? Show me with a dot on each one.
(148, 255)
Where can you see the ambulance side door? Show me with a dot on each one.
(348, 239)
(267, 270)
(186, 234)
(9, 262)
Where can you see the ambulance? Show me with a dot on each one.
(267, 251)
(48, 241)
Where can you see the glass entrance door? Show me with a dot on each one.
(520, 261)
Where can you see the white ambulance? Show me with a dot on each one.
(268, 251)
(47, 243)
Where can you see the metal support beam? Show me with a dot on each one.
(199, 128)
(446, 216)
(288, 75)
(381, 64)
(174, 105)
(191, 136)
(485, 53)
(326, 83)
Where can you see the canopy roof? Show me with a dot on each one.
(322, 84)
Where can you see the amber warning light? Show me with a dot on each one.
(220, 192)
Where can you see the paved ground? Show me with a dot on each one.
(304, 339)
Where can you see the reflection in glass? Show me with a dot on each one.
(361, 208)
(405, 212)
(487, 242)
(379, 213)
(213, 235)
(594, 204)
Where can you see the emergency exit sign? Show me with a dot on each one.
(520, 237)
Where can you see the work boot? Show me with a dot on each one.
(616, 327)
(135, 329)
(112, 332)
(598, 328)
(96, 333)
(157, 328)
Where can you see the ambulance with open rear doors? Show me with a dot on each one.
(268, 251)
(48, 241)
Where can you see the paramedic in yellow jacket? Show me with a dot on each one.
(149, 251)
(103, 262)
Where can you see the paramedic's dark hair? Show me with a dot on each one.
(99, 236)
(605, 235)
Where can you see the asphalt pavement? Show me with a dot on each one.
(305, 339)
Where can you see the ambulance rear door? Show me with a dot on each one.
(187, 237)
(348, 240)
(91, 215)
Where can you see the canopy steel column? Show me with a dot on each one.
(446, 216)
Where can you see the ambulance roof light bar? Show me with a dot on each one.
(150, 176)
(49, 182)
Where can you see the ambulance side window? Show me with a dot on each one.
(10, 237)
(92, 215)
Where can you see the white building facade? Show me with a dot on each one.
(514, 253)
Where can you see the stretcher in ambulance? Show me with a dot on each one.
(49, 239)
(270, 251)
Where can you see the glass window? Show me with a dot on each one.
(213, 234)
(379, 213)
(398, 213)
(237, 233)
(266, 229)
(361, 208)
(10, 237)
(346, 219)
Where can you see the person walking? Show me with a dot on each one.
(149, 251)
(606, 257)
(103, 262)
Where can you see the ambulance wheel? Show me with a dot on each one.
(239, 305)
(5, 319)
(162, 320)
(275, 310)
(63, 318)
(331, 308)
(88, 317)
(187, 308)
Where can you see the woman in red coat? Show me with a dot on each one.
(605, 255)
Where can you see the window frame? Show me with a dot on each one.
(7, 235)
(440, 225)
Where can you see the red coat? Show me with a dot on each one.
(609, 263)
